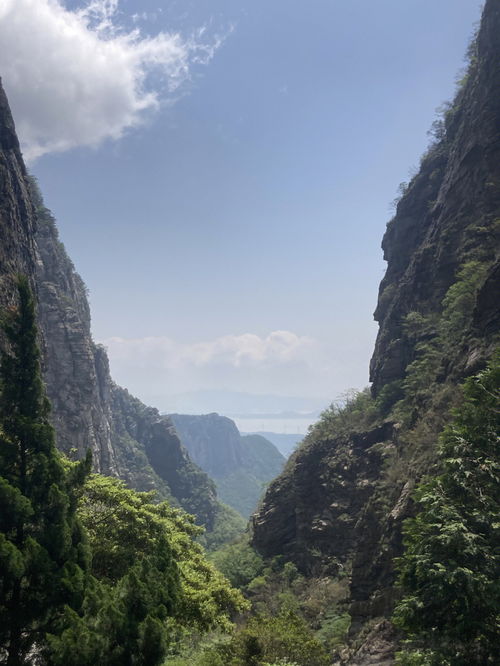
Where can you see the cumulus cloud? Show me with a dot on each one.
(76, 78)
(236, 351)
(155, 367)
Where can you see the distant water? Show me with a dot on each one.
(295, 426)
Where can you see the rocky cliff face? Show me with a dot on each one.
(127, 438)
(77, 381)
(240, 465)
(339, 504)
(448, 216)
(17, 219)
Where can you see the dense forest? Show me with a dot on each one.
(377, 542)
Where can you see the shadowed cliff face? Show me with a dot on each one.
(340, 502)
(17, 248)
(448, 216)
(127, 439)
(77, 384)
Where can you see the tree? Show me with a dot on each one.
(150, 581)
(126, 527)
(43, 553)
(449, 571)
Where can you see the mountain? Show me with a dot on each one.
(284, 442)
(240, 465)
(127, 439)
(339, 504)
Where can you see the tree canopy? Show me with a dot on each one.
(43, 551)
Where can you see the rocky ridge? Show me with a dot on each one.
(17, 219)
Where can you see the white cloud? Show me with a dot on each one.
(237, 351)
(76, 78)
(155, 367)
(281, 363)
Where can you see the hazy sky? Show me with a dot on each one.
(222, 172)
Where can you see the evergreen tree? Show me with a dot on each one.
(450, 569)
(43, 554)
(150, 583)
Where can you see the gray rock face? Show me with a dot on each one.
(448, 216)
(127, 439)
(17, 219)
(213, 442)
(76, 374)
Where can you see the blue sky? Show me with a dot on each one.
(229, 231)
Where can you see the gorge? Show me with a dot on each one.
(332, 515)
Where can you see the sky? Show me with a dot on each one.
(222, 173)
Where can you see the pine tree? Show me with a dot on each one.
(450, 569)
(43, 554)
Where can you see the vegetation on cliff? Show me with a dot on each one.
(449, 570)
(44, 556)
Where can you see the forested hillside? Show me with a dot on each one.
(240, 465)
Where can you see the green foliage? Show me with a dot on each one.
(421, 658)
(334, 629)
(241, 489)
(458, 304)
(266, 640)
(388, 396)
(355, 411)
(228, 525)
(239, 562)
(449, 571)
(436, 338)
(151, 581)
(269, 638)
(43, 552)
(125, 525)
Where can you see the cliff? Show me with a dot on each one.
(449, 216)
(17, 218)
(89, 410)
(240, 465)
(338, 506)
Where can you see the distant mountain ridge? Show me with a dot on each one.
(241, 465)
(284, 442)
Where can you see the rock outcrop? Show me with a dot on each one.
(17, 218)
(448, 216)
(240, 465)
